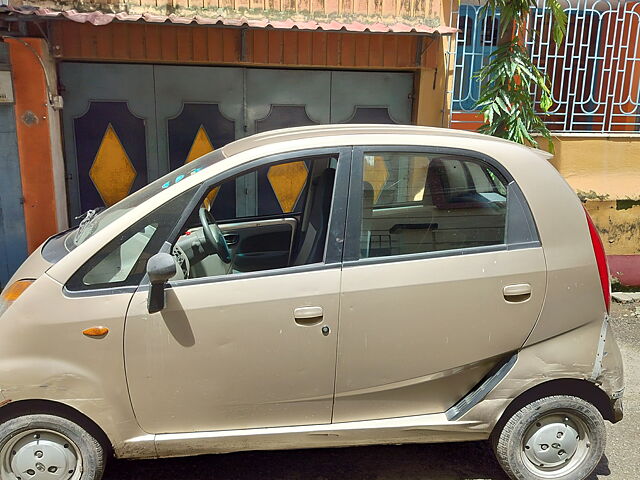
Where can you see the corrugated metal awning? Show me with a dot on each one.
(357, 23)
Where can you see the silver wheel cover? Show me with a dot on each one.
(40, 455)
(556, 444)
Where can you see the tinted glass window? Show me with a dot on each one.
(415, 203)
(289, 225)
(95, 220)
(269, 190)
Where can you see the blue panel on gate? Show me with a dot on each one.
(13, 241)
(371, 115)
(199, 128)
(183, 130)
(283, 116)
(111, 154)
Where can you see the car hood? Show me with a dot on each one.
(46, 255)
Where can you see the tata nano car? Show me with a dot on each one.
(318, 287)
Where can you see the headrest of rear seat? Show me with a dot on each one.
(438, 189)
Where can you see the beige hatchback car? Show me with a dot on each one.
(318, 287)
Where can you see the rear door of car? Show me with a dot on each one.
(443, 279)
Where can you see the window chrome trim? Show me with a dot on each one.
(188, 282)
(398, 207)
(258, 223)
(458, 252)
(97, 292)
(524, 245)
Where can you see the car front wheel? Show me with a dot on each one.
(38, 447)
(559, 437)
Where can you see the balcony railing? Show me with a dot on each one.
(595, 73)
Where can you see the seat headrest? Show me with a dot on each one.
(368, 195)
(437, 183)
(442, 195)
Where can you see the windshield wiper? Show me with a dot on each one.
(87, 219)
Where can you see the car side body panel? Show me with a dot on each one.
(32, 267)
(534, 365)
(55, 361)
(45, 356)
(571, 355)
(416, 335)
(573, 295)
(236, 358)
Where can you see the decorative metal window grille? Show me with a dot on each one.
(595, 73)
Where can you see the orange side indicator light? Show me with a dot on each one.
(11, 293)
(96, 331)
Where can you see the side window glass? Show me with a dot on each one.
(122, 262)
(118, 264)
(289, 227)
(417, 203)
(266, 191)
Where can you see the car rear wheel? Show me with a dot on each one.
(37, 447)
(559, 437)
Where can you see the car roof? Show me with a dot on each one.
(352, 131)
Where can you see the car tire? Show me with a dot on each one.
(559, 437)
(35, 446)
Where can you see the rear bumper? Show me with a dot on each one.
(611, 374)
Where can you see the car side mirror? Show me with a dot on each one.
(160, 268)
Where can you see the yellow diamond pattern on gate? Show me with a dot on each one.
(287, 181)
(201, 145)
(112, 171)
(376, 173)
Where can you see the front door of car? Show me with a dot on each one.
(251, 344)
(443, 280)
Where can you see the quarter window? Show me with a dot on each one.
(122, 262)
(417, 203)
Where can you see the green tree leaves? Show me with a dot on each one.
(507, 81)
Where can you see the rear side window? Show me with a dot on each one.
(422, 202)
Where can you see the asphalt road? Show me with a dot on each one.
(453, 461)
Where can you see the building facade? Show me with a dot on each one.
(595, 119)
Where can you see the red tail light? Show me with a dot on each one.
(601, 260)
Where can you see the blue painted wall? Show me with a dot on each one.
(13, 241)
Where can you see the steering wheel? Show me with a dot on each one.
(182, 260)
(214, 236)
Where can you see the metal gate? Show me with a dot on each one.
(125, 125)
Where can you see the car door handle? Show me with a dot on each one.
(518, 292)
(231, 238)
(308, 316)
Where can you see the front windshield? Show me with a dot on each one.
(95, 220)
